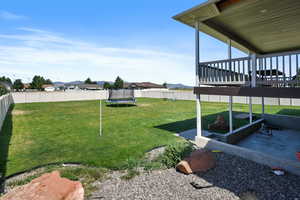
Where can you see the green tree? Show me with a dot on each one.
(88, 81)
(3, 91)
(107, 85)
(119, 83)
(18, 85)
(48, 81)
(37, 82)
(5, 80)
(165, 85)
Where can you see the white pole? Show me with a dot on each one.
(253, 84)
(197, 59)
(263, 105)
(250, 110)
(100, 131)
(230, 115)
(231, 79)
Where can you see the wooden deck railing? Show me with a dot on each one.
(272, 70)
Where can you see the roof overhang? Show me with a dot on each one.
(255, 26)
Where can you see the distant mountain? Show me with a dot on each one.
(178, 86)
(102, 82)
(169, 85)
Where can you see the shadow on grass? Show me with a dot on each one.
(120, 105)
(187, 124)
(291, 112)
(5, 136)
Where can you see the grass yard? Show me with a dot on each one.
(41, 133)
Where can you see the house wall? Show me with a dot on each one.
(5, 103)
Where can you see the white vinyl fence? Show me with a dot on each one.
(188, 95)
(5, 102)
(30, 97)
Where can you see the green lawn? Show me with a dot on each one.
(40, 133)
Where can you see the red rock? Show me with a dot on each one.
(184, 167)
(49, 186)
(199, 161)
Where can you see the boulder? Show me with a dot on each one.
(219, 124)
(49, 186)
(199, 161)
(184, 167)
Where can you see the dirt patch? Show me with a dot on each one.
(20, 112)
(144, 105)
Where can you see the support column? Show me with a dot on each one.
(197, 59)
(263, 105)
(253, 83)
(230, 115)
(231, 79)
(250, 111)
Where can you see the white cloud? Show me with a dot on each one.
(5, 15)
(52, 55)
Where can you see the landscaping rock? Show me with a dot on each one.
(219, 124)
(199, 161)
(155, 153)
(184, 167)
(49, 186)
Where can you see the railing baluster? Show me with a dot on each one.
(244, 75)
(290, 71)
(297, 71)
(265, 70)
(283, 69)
(219, 72)
(234, 70)
(271, 71)
(277, 72)
(239, 71)
(259, 69)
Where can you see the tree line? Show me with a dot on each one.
(118, 84)
(36, 83)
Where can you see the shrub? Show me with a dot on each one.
(175, 153)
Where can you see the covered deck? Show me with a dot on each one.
(269, 33)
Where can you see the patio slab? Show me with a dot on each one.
(282, 144)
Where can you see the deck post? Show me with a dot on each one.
(197, 61)
(231, 79)
(263, 105)
(253, 83)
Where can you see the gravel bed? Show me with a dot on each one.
(232, 178)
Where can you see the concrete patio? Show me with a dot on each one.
(282, 144)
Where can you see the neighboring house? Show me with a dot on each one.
(71, 87)
(48, 87)
(90, 87)
(143, 85)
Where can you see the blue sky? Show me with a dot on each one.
(72, 40)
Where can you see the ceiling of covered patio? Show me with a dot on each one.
(259, 26)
